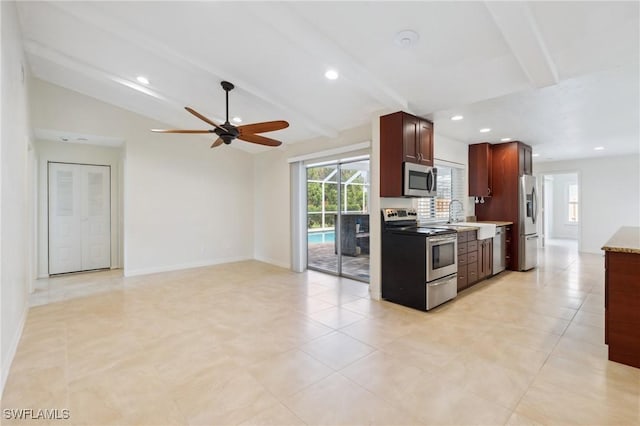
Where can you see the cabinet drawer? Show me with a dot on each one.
(472, 257)
(462, 248)
(462, 260)
(472, 235)
(462, 237)
(462, 278)
(472, 246)
(472, 273)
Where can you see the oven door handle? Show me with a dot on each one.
(442, 281)
(443, 239)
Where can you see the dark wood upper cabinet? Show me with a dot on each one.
(480, 171)
(525, 161)
(403, 138)
(425, 142)
(410, 138)
(509, 161)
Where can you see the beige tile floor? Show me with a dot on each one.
(249, 343)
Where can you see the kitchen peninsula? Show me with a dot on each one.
(622, 296)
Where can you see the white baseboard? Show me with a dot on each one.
(7, 360)
(275, 262)
(157, 269)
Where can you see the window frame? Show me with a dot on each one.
(575, 204)
(436, 209)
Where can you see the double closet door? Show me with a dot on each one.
(79, 217)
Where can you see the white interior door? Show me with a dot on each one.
(79, 217)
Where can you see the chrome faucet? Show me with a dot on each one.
(451, 220)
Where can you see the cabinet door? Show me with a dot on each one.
(525, 160)
(480, 170)
(425, 143)
(391, 157)
(489, 257)
(410, 137)
(485, 258)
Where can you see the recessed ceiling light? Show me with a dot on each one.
(142, 79)
(485, 130)
(535, 155)
(331, 74)
(457, 117)
(236, 120)
(505, 139)
(598, 148)
(406, 38)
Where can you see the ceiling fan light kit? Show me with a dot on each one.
(227, 132)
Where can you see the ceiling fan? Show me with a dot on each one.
(227, 132)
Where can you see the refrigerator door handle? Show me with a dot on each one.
(534, 214)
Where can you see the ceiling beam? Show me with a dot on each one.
(299, 31)
(520, 30)
(90, 14)
(36, 49)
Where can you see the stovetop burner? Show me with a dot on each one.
(422, 230)
(405, 221)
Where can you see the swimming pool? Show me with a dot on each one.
(315, 237)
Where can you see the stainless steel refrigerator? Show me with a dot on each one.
(528, 223)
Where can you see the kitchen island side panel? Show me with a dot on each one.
(622, 305)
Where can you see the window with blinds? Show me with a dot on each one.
(450, 187)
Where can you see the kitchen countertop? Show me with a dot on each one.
(496, 222)
(462, 228)
(625, 240)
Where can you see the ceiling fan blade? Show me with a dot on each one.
(180, 131)
(205, 119)
(267, 126)
(218, 142)
(261, 140)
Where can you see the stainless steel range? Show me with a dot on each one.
(419, 264)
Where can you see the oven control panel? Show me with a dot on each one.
(391, 215)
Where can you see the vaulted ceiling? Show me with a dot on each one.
(561, 76)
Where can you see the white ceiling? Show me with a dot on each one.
(561, 76)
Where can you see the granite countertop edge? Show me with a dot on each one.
(625, 240)
(497, 222)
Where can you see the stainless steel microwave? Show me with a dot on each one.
(419, 180)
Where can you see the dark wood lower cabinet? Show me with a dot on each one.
(475, 259)
(485, 258)
(622, 307)
(507, 248)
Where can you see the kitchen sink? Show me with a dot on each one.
(485, 230)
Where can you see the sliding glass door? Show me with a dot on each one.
(338, 218)
(322, 210)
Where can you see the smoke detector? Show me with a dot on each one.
(406, 38)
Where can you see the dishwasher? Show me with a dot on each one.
(499, 248)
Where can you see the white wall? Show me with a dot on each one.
(559, 226)
(273, 193)
(83, 154)
(185, 205)
(609, 195)
(16, 211)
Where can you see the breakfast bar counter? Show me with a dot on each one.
(622, 296)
